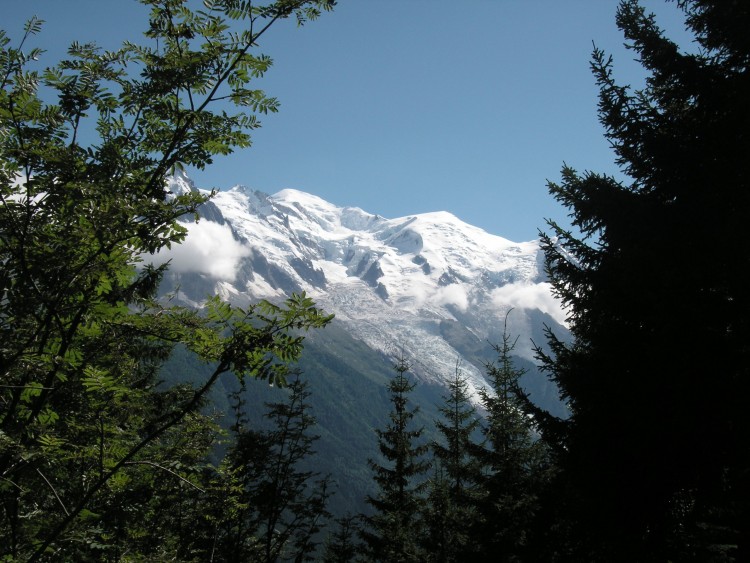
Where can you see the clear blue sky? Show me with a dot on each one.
(408, 106)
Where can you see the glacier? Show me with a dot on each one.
(422, 285)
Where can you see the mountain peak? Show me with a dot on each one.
(390, 282)
(298, 196)
(180, 183)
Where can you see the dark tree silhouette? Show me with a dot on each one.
(656, 449)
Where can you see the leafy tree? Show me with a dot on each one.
(515, 465)
(85, 146)
(153, 509)
(655, 451)
(392, 533)
(451, 510)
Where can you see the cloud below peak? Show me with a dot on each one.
(209, 248)
(529, 296)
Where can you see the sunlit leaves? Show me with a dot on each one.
(259, 342)
(85, 146)
(100, 381)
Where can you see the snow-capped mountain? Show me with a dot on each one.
(427, 285)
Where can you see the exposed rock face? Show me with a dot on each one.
(430, 284)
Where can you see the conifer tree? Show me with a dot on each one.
(440, 539)
(282, 507)
(655, 452)
(515, 464)
(451, 511)
(392, 533)
(343, 544)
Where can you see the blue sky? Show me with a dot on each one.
(409, 106)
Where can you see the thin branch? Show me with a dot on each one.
(53, 491)
(17, 486)
(26, 387)
(127, 458)
(182, 130)
(180, 477)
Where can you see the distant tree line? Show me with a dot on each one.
(471, 495)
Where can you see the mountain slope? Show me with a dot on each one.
(428, 285)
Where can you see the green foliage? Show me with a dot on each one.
(483, 500)
(348, 382)
(451, 514)
(655, 453)
(342, 546)
(261, 504)
(392, 532)
(87, 436)
(516, 464)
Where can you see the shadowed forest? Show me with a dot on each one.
(111, 447)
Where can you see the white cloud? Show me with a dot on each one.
(209, 248)
(453, 294)
(529, 296)
(417, 294)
